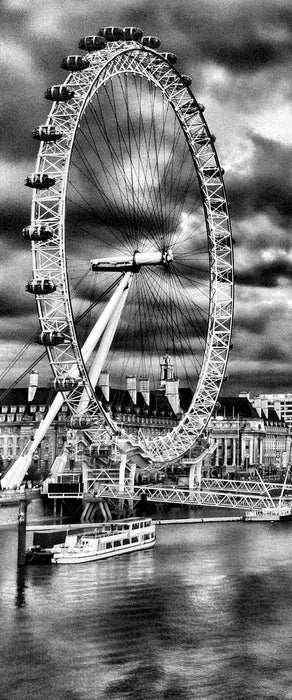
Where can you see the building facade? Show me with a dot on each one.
(281, 403)
(249, 438)
(245, 434)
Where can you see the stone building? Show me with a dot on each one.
(281, 403)
(19, 419)
(244, 434)
(247, 437)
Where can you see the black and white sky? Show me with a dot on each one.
(239, 54)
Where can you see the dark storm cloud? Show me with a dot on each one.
(268, 186)
(251, 43)
(255, 323)
(265, 274)
(260, 380)
(240, 36)
(271, 352)
(19, 308)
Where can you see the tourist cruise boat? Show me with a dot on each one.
(279, 510)
(106, 540)
(269, 514)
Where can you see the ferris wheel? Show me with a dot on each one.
(131, 240)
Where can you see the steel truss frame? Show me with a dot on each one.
(185, 496)
(222, 493)
(48, 208)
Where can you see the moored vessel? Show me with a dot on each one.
(106, 540)
(269, 514)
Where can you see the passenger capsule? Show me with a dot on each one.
(46, 132)
(51, 338)
(112, 33)
(190, 107)
(37, 233)
(40, 181)
(211, 171)
(187, 80)
(59, 93)
(170, 57)
(195, 108)
(203, 139)
(44, 286)
(65, 383)
(74, 63)
(92, 43)
(79, 422)
(132, 34)
(151, 41)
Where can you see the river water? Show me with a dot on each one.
(205, 615)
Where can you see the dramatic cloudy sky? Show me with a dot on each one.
(239, 53)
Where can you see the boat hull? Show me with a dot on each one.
(36, 555)
(261, 517)
(105, 541)
(81, 558)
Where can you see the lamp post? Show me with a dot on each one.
(24, 501)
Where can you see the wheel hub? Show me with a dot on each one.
(132, 263)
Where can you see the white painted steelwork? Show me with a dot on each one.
(185, 496)
(120, 58)
(133, 262)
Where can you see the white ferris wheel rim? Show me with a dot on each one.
(49, 209)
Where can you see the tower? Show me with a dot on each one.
(166, 369)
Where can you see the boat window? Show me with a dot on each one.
(134, 539)
(117, 543)
(146, 537)
(109, 545)
(126, 541)
(135, 526)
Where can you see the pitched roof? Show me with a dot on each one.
(237, 406)
(18, 396)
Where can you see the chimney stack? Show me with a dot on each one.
(145, 389)
(33, 384)
(132, 388)
(103, 383)
(172, 394)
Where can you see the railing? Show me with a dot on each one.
(13, 495)
(173, 495)
(211, 492)
(240, 486)
(65, 490)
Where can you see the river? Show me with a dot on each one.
(205, 615)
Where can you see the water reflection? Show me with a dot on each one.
(20, 586)
(206, 614)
